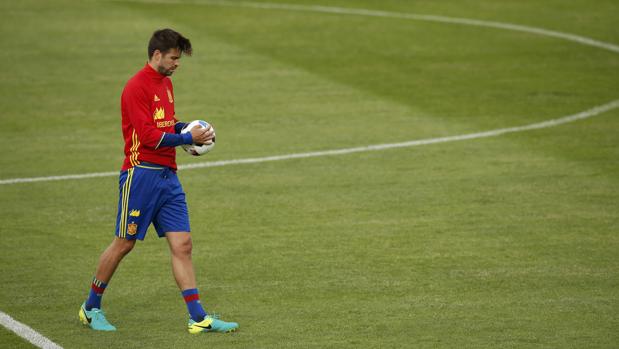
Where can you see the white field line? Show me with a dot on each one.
(389, 14)
(364, 12)
(42, 342)
(492, 133)
(26, 332)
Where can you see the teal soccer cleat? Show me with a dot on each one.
(95, 319)
(211, 323)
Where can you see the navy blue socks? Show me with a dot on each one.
(96, 292)
(192, 298)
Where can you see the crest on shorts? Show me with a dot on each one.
(132, 228)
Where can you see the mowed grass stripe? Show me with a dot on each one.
(376, 147)
(396, 15)
(500, 242)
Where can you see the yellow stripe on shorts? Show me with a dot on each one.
(124, 208)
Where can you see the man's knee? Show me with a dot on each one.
(123, 246)
(183, 246)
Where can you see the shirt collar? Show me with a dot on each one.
(152, 73)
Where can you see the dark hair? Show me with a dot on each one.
(167, 39)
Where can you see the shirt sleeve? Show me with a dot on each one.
(173, 139)
(137, 105)
(179, 126)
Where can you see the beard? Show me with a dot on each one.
(164, 71)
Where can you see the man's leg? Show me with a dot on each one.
(111, 257)
(108, 262)
(182, 267)
(90, 312)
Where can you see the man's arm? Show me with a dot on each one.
(197, 135)
(179, 126)
(174, 139)
(137, 104)
(138, 111)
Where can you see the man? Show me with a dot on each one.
(149, 188)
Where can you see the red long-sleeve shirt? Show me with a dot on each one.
(147, 108)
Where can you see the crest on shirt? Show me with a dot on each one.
(159, 113)
(156, 99)
(170, 99)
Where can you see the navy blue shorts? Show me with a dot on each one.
(150, 193)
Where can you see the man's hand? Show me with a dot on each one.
(201, 135)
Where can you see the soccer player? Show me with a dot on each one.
(149, 188)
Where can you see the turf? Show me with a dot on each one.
(504, 242)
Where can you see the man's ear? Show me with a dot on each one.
(156, 56)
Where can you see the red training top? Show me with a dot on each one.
(147, 107)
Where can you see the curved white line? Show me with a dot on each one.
(389, 14)
(364, 12)
(42, 342)
(492, 133)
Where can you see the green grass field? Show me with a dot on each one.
(502, 242)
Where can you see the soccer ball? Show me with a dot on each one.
(197, 149)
